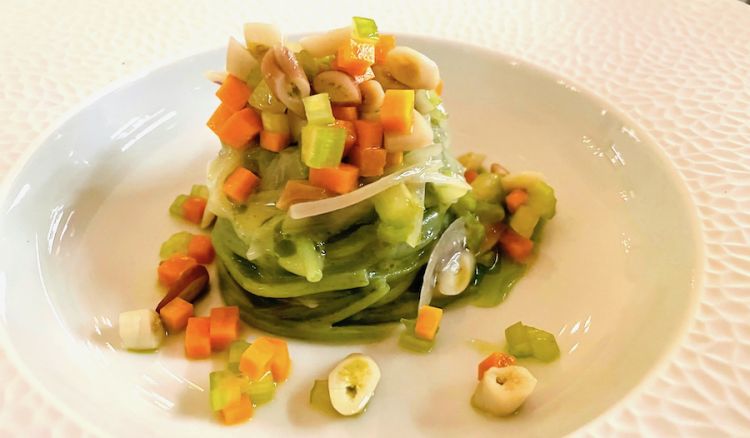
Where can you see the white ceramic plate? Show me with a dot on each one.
(617, 280)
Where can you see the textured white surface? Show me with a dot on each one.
(680, 69)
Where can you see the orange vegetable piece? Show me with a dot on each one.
(494, 360)
(354, 57)
(300, 191)
(201, 249)
(369, 133)
(225, 326)
(172, 268)
(219, 117)
(351, 133)
(198, 338)
(240, 184)
(256, 360)
(175, 314)
(439, 88)
(371, 161)
(397, 111)
(348, 113)
(341, 179)
(515, 199)
(274, 141)
(366, 76)
(237, 411)
(394, 159)
(384, 45)
(470, 175)
(280, 364)
(241, 128)
(428, 321)
(516, 246)
(192, 209)
(492, 235)
(233, 93)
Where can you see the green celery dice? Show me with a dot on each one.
(400, 213)
(487, 187)
(236, 349)
(543, 344)
(318, 109)
(176, 208)
(224, 388)
(199, 190)
(176, 244)
(322, 146)
(490, 212)
(261, 391)
(364, 29)
(275, 122)
(263, 99)
(524, 220)
(519, 344)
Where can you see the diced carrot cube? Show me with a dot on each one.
(193, 208)
(354, 57)
(516, 246)
(384, 45)
(341, 179)
(201, 249)
(280, 363)
(428, 321)
(237, 411)
(348, 113)
(470, 175)
(225, 326)
(394, 159)
(256, 360)
(371, 161)
(219, 117)
(515, 199)
(198, 338)
(175, 314)
(241, 128)
(240, 184)
(233, 93)
(351, 134)
(172, 268)
(369, 133)
(274, 141)
(494, 360)
(397, 111)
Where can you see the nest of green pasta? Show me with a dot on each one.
(338, 206)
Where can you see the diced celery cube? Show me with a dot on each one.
(318, 109)
(236, 349)
(487, 187)
(176, 208)
(322, 146)
(199, 190)
(176, 244)
(364, 29)
(296, 123)
(524, 220)
(400, 212)
(224, 388)
(263, 99)
(519, 344)
(465, 204)
(262, 390)
(490, 212)
(543, 344)
(275, 122)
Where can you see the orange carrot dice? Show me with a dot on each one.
(172, 268)
(351, 134)
(201, 249)
(369, 133)
(219, 117)
(237, 411)
(341, 179)
(175, 314)
(348, 113)
(470, 175)
(515, 199)
(192, 209)
(516, 246)
(274, 141)
(240, 184)
(494, 360)
(384, 45)
(371, 161)
(256, 360)
(397, 112)
(225, 326)
(233, 93)
(428, 321)
(280, 363)
(354, 57)
(394, 159)
(198, 338)
(241, 128)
